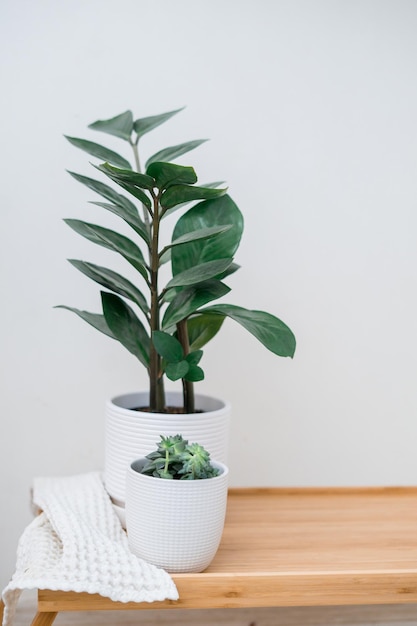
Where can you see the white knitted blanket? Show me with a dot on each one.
(77, 544)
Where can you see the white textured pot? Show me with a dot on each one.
(132, 434)
(175, 524)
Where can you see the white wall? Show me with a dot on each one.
(311, 110)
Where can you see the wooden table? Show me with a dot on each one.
(293, 547)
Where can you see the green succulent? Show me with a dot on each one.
(165, 325)
(176, 459)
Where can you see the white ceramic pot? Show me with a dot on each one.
(175, 524)
(131, 434)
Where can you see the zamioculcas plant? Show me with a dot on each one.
(168, 323)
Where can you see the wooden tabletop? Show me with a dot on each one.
(298, 547)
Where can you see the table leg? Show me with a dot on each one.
(43, 619)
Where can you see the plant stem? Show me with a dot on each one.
(156, 381)
(187, 386)
(156, 390)
(139, 170)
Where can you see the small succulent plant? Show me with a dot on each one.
(176, 459)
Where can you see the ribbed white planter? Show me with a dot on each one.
(133, 434)
(175, 524)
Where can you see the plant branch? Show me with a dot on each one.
(161, 254)
(156, 381)
(187, 386)
(156, 395)
(135, 149)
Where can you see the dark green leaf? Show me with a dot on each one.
(120, 125)
(111, 240)
(126, 327)
(175, 371)
(202, 328)
(127, 176)
(201, 272)
(132, 182)
(183, 204)
(113, 281)
(173, 152)
(165, 256)
(230, 270)
(178, 194)
(98, 151)
(106, 192)
(167, 346)
(218, 212)
(203, 233)
(166, 174)
(194, 358)
(145, 124)
(133, 220)
(192, 298)
(268, 329)
(194, 374)
(137, 193)
(94, 319)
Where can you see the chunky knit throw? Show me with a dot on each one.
(78, 544)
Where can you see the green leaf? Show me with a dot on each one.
(166, 174)
(98, 151)
(165, 256)
(167, 346)
(233, 267)
(106, 192)
(132, 182)
(134, 221)
(127, 176)
(163, 474)
(197, 274)
(203, 233)
(207, 214)
(112, 241)
(268, 329)
(192, 298)
(194, 358)
(113, 281)
(137, 193)
(126, 327)
(183, 204)
(215, 184)
(173, 152)
(146, 124)
(202, 328)
(194, 374)
(178, 194)
(175, 371)
(94, 319)
(119, 126)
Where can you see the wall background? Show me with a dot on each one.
(311, 111)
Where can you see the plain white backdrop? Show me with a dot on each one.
(310, 106)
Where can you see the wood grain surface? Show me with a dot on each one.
(297, 547)
(387, 615)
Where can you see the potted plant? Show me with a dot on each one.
(164, 323)
(176, 505)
